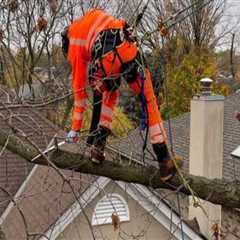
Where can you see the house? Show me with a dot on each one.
(34, 200)
(46, 207)
(44, 203)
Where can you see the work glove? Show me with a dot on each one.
(72, 137)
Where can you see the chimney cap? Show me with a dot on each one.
(206, 80)
(206, 86)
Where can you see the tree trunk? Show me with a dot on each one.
(70, 156)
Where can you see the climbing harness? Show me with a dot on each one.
(109, 54)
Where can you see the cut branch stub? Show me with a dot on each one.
(41, 24)
(13, 5)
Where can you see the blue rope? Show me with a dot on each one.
(143, 119)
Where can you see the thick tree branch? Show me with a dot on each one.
(68, 157)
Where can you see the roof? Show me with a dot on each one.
(180, 129)
(45, 197)
(180, 132)
(14, 169)
(40, 192)
(38, 195)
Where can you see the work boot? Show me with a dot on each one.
(99, 143)
(166, 162)
(97, 155)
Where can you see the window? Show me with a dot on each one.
(109, 204)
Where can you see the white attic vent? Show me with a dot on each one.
(111, 203)
(236, 152)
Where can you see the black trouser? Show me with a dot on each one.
(107, 41)
(97, 134)
(97, 106)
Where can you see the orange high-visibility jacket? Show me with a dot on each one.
(82, 35)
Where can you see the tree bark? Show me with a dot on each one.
(69, 156)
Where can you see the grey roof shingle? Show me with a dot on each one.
(180, 130)
(45, 198)
(46, 195)
(14, 169)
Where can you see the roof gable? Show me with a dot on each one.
(162, 213)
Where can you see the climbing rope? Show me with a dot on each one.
(178, 18)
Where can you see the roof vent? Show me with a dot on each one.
(109, 204)
(206, 86)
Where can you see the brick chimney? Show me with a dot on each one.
(206, 150)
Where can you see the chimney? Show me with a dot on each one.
(206, 150)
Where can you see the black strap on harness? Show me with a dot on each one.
(107, 41)
(117, 55)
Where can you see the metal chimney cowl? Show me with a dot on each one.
(206, 86)
(206, 91)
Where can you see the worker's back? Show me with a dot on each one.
(84, 31)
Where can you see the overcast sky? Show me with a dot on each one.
(231, 22)
(233, 9)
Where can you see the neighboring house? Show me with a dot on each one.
(51, 210)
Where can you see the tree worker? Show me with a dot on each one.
(102, 50)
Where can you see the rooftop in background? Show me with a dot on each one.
(180, 131)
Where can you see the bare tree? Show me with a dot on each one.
(30, 36)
